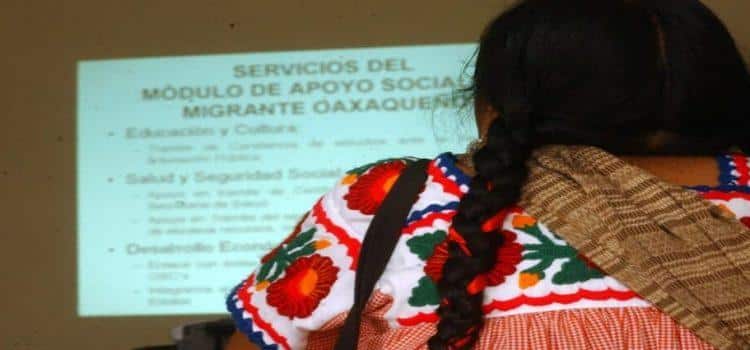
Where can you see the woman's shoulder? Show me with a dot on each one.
(282, 300)
(363, 188)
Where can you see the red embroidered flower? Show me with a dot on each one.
(293, 235)
(508, 257)
(305, 283)
(434, 266)
(370, 189)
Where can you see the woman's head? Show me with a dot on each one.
(613, 73)
(629, 76)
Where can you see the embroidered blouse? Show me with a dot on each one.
(542, 294)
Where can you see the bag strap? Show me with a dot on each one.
(377, 246)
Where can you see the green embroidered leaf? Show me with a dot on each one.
(540, 251)
(534, 255)
(540, 267)
(306, 250)
(263, 271)
(424, 245)
(278, 269)
(575, 270)
(300, 246)
(537, 233)
(301, 239)
(425, 293)
(274, 267)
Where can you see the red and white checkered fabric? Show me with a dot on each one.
(634, 328)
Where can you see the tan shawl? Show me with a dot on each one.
(684, 255)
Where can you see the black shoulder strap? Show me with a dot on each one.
(380, 240)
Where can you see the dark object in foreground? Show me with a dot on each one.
(212, 335)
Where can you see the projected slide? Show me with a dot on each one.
(190, 168)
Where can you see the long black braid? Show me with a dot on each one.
(500, 172)
(501, 164)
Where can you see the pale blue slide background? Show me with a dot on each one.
(113, 214)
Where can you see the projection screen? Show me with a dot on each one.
(190, 168)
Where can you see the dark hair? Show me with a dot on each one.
(629, 76)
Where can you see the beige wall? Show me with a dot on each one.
(42, 40)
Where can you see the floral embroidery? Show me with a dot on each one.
(349, 179)
(434, 266)
(425, 293)
(353, 174)
(576, 268)
(366, 194)
(424, 246)
(523, 221)
(508, 257)
(433, 247)
(528, 279)
(306, 282)
(297, 229)
(274, 263)
(363, 169)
